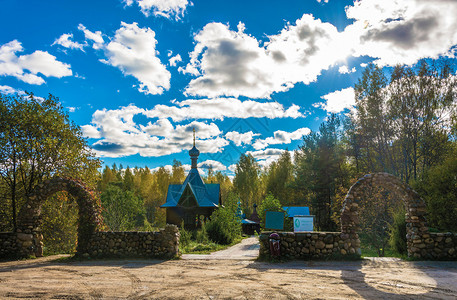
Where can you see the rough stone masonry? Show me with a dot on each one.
(161, 244)
(313, 245)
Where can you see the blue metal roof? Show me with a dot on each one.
(207, 195)
(293, 211)
(173, 195)
(246, 221)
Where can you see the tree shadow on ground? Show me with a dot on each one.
(357, 281)
(250, 247)
(52, 261)
(353, 275)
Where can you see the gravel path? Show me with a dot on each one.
(248, 249)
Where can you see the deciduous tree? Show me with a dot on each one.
(247, 181)
(37, 141)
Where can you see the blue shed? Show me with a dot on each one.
(293, 211)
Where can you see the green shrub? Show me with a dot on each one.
(60, 224)
(147, 226)
(224, 226)
(270, 203)
(186, 236)
(218, 234)
(202, 247)
(123, 210)
(201, 235)
(398, 233)
(438, 188)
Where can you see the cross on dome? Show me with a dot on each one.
(194, 153)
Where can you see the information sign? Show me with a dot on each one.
(303, 223)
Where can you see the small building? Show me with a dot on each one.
(193, 201)
(251, 225)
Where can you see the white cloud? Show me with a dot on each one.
(133, 51)
(95, 37)
(232, 168)
(44, 63)
(267, 156)
(338, 101)
(164, 128)
(38, 62)
(240, 138)
(169, 168)
(174, 60)
(217, 166)
(229, 62)
(65, 41)
(119, 135)
(72, 108)
(325, 1)
(161, 127)
(402, 32)
(165, 8)
(7, 90)
(345, 70)
(221, 108)
(281, 137)
(90, 132)
(233, 63)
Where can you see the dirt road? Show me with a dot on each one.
(248, 249)
(45, 278)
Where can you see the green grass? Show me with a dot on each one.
(68, 259)
(205, 248)
(370, 251)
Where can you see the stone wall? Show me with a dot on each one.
(161, 244)
(8, 245)
(438, 246)
(313, 245)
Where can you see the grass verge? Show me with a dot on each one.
(194, 247)
(370, 251)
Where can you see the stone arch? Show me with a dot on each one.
(416, 226)
(29, 238)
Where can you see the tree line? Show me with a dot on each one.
(131, 198)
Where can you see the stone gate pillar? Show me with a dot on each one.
(417, 234)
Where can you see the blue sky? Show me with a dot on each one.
(249, 76)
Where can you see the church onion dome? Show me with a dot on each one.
(194, 151)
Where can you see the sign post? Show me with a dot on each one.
(303, 223)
